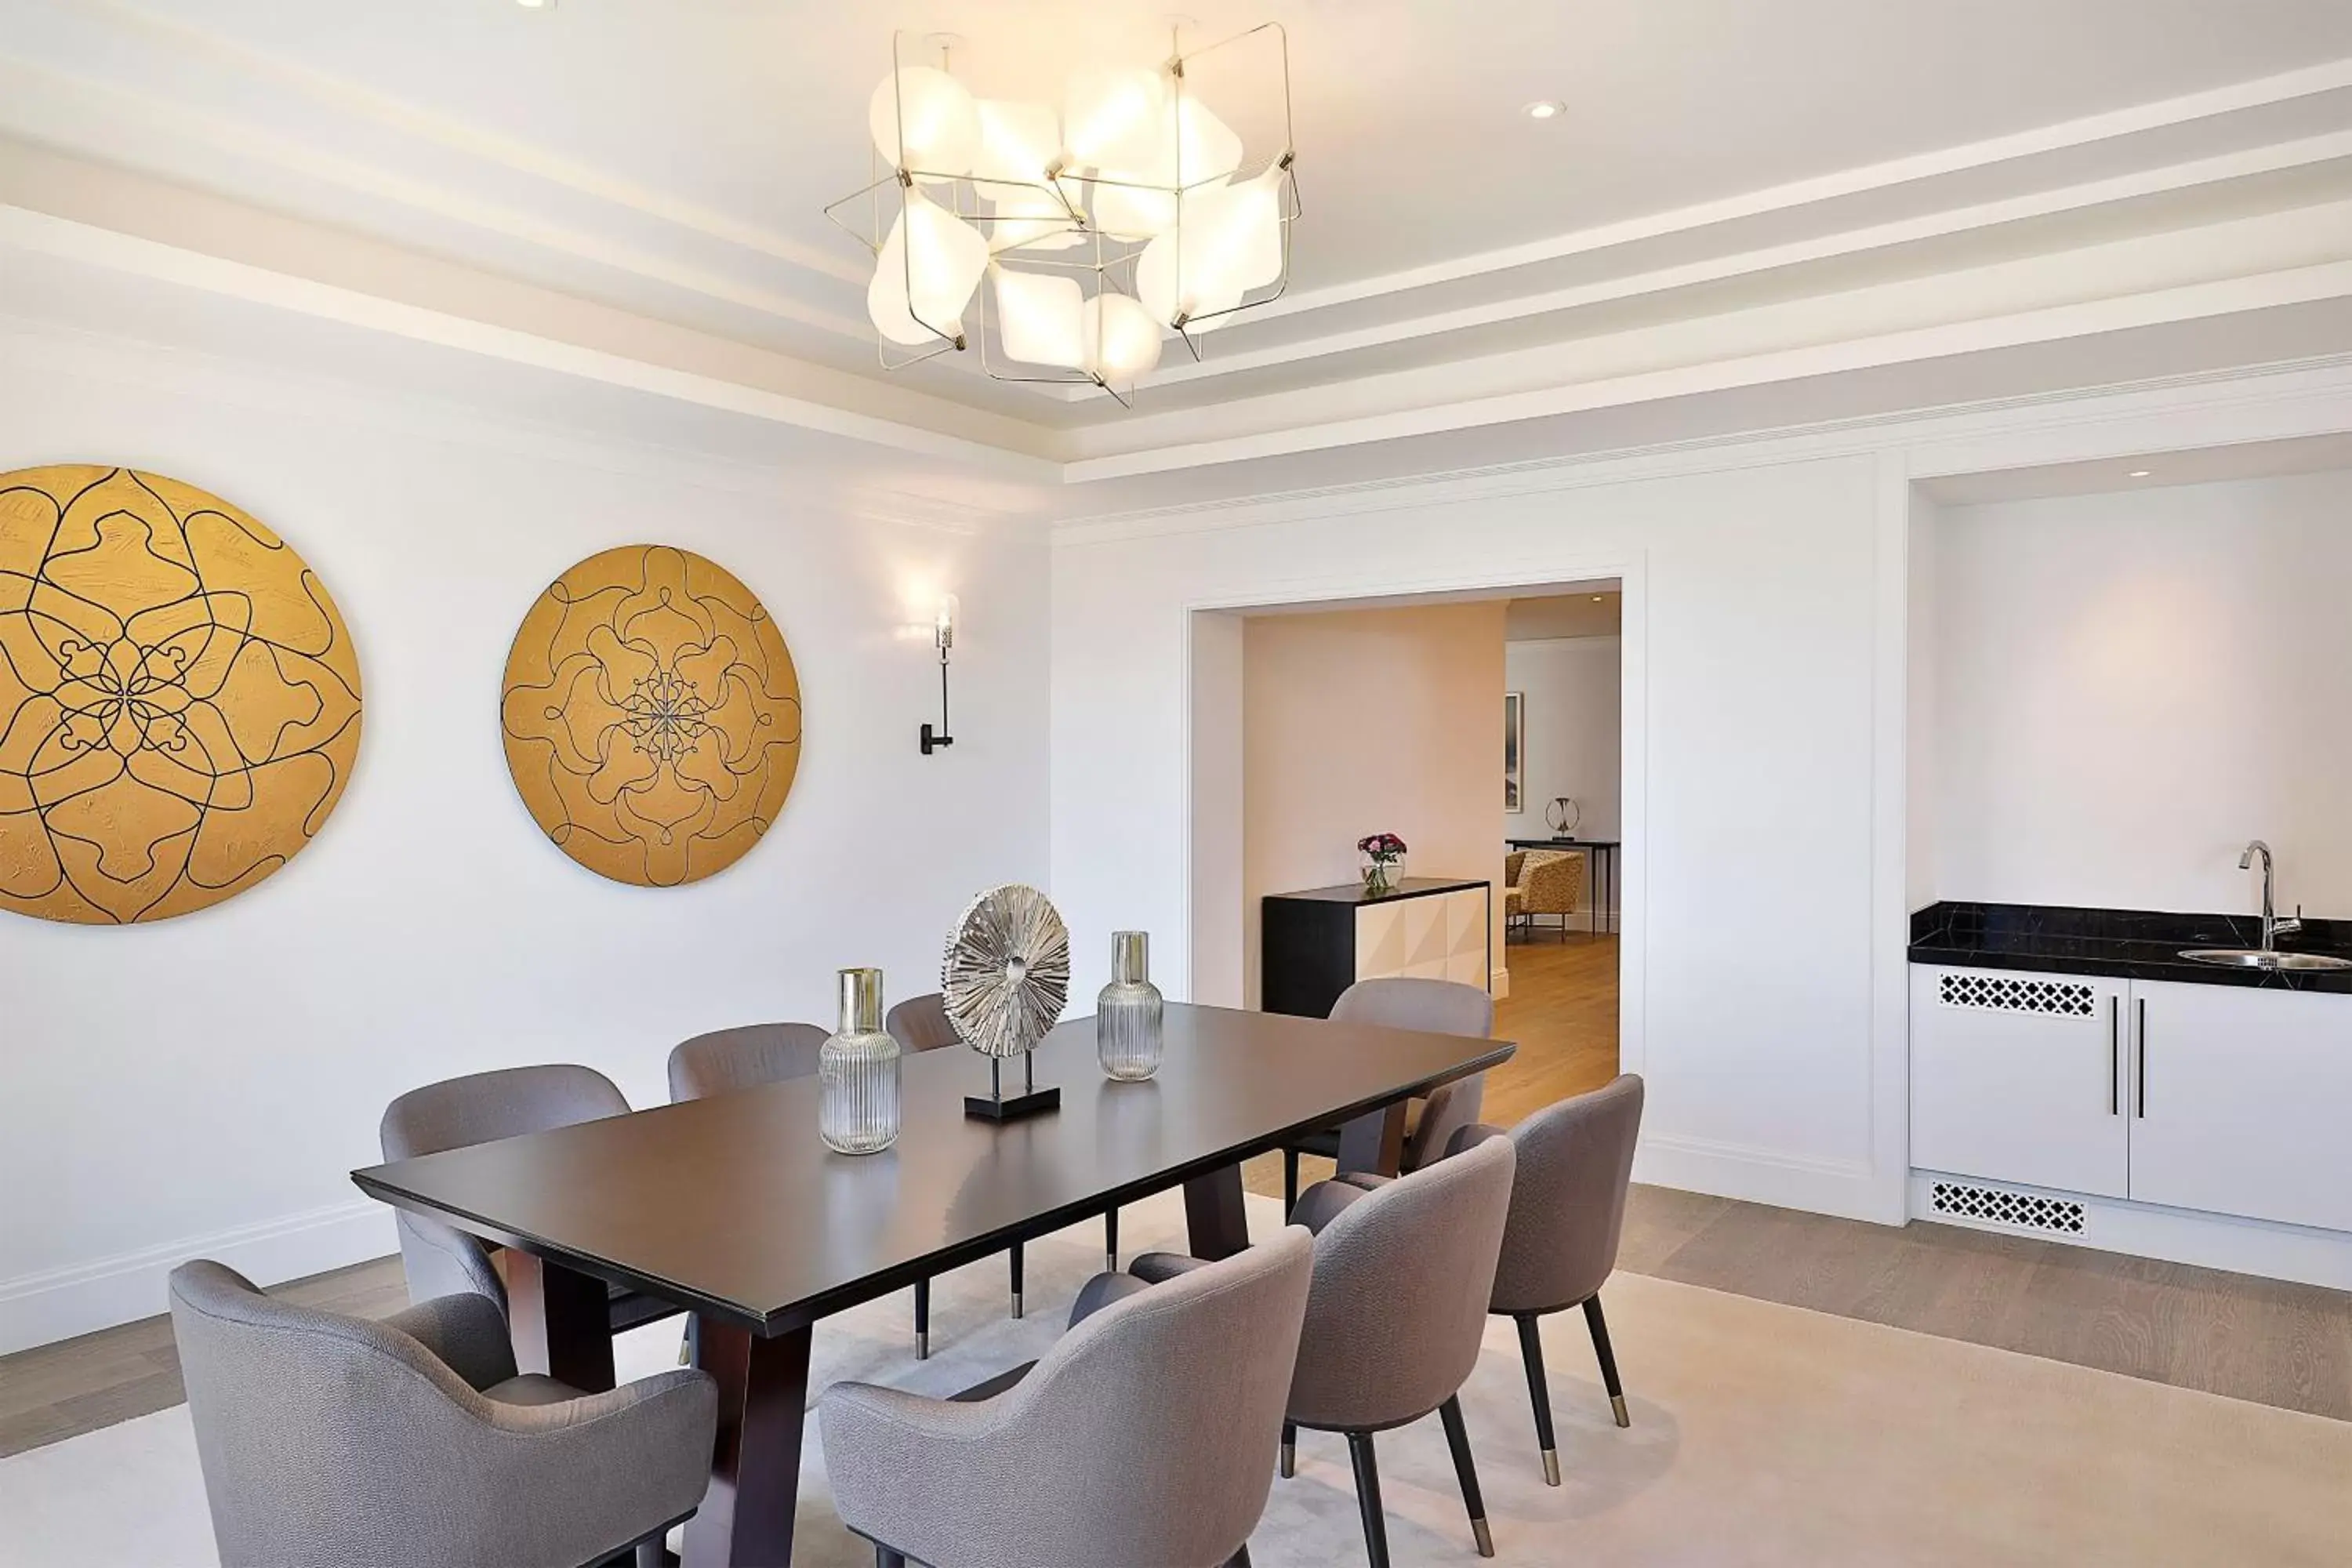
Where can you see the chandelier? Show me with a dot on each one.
(1068, 240)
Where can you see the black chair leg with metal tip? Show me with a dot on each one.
(1110, 1242)
(1466, 1470)
(1240, 1559)
(1539, 1393)
(651, 1554)
(885, 1558)
(1289, 1466)
(1016, 1278)
(1600, 1327)
(1289, 1181)
(1368, 1498)
(922, 1319)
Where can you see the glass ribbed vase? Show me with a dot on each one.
(857, 1072)
(1127, 1015)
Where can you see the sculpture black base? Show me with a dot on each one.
(1014, 1107)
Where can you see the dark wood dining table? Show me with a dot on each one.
(732, 1209)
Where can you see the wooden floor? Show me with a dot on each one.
(2260, 1340)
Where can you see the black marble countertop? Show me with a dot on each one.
(2124, 944)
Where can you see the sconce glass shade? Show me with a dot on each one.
(1040, 318)
(928, 268)
(938, 114)
(943, 622)
(1122, 340)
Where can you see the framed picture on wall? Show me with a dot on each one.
(1515, 749)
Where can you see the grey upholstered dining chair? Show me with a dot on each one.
(1403, 1271)
(1141, 1436)
(334, 1442)
(724, 1061)
(921, 1024)
(1567, 1211)
(1432, 1006)
(480, 1107)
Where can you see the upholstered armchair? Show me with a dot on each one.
(1143, 1435)
(1545, 882)
(334, 1442)
(480, 1107)
(1403, 1270)
(1567, 1211)
(1404, 1002)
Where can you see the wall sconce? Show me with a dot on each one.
(943, 634)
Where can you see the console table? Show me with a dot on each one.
(1315, 943)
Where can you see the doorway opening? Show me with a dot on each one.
(1459, 722)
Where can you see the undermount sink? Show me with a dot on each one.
(2264, 958)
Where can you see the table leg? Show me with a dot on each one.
(561, 1324)
(1214, 1215)
(746, 1518)
(1374, 1142)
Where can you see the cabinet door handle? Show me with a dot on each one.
(2116, 1055)
(2143, 1058)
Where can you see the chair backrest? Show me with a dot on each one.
(1433, 1007)
(728, 1059)
(480, 1107)
(1158, 1415)
(305, 1422)
(921, 1024)
(1552, 884)
(1567, 1204)
(1437, 1007)
(1511, 864)
(1403, 1278)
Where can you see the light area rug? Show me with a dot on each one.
(1761, 1435)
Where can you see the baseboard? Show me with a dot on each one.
(60, 1303)
(1498, 982)
(2274, 1251)
(1845, 1188)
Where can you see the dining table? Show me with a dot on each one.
(732, 1209)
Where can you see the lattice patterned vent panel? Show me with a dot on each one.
(2011, 993)
(2027, 1211)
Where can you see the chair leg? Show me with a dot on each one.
(1538, 1393)
(1016, 1278)
(1289, 1466)
(652, 1553)
(1466, 1470)
(1600, 1327)
(1368, 1498)
(922, 1319)
(1289, 1183)
(1110, 1242)
(885, 1558)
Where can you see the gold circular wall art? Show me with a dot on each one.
(652, 716)
(179, 699)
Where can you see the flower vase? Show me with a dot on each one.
(1382, 874)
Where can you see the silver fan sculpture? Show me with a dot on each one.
(1563, 815)
(1004, 982)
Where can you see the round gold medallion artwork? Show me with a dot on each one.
(652, 716)
(179, 699)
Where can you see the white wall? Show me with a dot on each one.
(1756, 607)
(203, 1085)
(1575, 710)
(1363, 722)
(2130, 686)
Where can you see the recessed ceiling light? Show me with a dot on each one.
(1598, 597)
(1544, 108)
(2137, 474)
(536, 5)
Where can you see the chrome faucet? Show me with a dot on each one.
(2273, 927)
